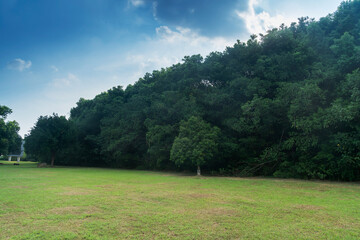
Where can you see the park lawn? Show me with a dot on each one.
(96, 203)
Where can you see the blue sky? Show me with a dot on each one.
(54, 52)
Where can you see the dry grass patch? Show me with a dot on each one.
(77, 191)
(217, 212)
(108, 186)
(74, 210)
(201, 195)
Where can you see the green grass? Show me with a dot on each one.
(94, 203)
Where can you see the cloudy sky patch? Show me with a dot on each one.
(137, 3)
(19, 65)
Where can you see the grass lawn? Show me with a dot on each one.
(94, 203)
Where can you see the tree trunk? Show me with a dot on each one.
(198, 171)
(52, 159)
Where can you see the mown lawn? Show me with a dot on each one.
(94, 203)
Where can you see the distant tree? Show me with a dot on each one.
(4, 111)
(13, 137)
(49, 135)
(196, 144)
(10, 141)
(4, 141)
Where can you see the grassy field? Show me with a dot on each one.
(94, 203)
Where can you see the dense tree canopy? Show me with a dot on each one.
(50, 135)
(283, 104)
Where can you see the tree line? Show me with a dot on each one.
(283, 104)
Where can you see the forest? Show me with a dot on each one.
(283, 104)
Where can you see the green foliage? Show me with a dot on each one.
(49, 136)
(196, 144)
(159, 139)
(10, 141)
(4, 111)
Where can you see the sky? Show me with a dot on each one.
(52, 53)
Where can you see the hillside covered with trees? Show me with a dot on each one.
(283, 104)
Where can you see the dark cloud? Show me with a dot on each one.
(210, 17)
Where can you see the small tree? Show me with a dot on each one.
(196, 144)
(48, 136)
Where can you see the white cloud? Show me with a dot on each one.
(260, 22)
(64, 82)
(54, 68)
(19, 65)
(136, 3)
(167, 47)
(154, 6)
(170, 46)
(188, 42)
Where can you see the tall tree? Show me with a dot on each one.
(50, 135)
(196, 144)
